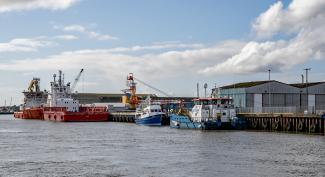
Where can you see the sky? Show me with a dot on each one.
(170, 44)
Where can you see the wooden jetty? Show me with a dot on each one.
(122, 117)
(290, 123)
(128, 116)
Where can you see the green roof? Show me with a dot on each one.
(303, 85)
(246, 84)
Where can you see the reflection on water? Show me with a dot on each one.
(41, 148)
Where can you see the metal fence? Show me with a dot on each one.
(289, 109)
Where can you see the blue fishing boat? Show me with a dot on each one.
(150, 114)
(208, 114)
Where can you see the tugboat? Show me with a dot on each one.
(32, 108)
(149, 114)
(207, 114)
(62, 107)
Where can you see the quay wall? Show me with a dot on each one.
(290, 123)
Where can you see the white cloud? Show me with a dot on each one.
(74, 28)
(296, 16)
(84, 30)
(101, 37)
(18, 5)
(157, 46)
(24, 45)
(66, 37)
(303, 19)
(113, 65)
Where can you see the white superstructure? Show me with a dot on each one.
(149, 111)
(215, 109)
(60, 95)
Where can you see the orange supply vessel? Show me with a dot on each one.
(62, 107)
(32, 108)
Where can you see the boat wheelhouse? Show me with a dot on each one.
(149, 113)
(62, 107)
(207, 114)
(212, 109)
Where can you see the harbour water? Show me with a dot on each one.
(43, 148)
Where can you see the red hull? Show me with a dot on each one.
(86, 114)
(32, 113)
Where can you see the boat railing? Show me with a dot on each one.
(63, 109)
(93, 109)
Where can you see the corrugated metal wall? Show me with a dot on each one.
(258, 101)
(238, 95)
(282, 95)
(292, 99)
(280, 100)
(320, 101)
(249, 100)
(277, 100)
(303, 100)
(316, 89)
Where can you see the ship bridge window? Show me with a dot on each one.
(224, 101)
(214, 102)
(197, 102)
(205, 102)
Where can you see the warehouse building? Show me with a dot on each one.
(275, 96)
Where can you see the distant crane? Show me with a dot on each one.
(133, 99)
(130, 93)
(76, 80)
(152, 87)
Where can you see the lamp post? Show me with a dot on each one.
(269, 70)
(307, 69)
(197, 90)
(205, 89)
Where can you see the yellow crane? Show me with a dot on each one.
(34, 85)
(130, 94)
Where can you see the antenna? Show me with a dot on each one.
(205, 89)
(198, 90)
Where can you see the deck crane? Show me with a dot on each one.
(34, 85)
(76, 80)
